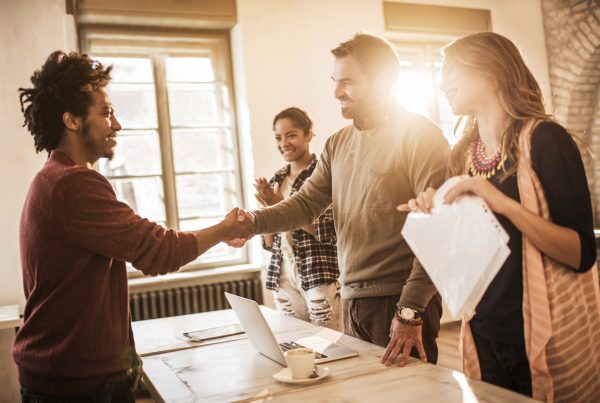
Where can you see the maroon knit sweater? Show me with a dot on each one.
(75, 238)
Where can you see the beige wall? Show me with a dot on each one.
(281, 58)
(29, 31)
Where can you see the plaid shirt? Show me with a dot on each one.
(316, 256)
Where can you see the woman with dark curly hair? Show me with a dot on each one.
(303, 271)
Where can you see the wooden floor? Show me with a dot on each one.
(448, 357)
(447, 341)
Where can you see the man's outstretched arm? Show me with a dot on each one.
(234, 226)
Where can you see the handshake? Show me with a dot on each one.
(238, 226)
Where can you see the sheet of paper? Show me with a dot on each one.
(461, 246)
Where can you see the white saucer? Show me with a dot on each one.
(286, 377)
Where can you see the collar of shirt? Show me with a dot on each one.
(285, 171)
(376, 115)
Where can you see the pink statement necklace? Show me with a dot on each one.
(481, 165)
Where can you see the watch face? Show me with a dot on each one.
(407, 314)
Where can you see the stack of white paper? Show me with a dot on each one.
(461, 246)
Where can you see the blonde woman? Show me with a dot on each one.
(537, 327)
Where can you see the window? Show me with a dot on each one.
(176, 161)
(419, 31)
(420, 75)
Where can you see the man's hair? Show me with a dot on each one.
(64, 84)
(300, 119)
(375, 55)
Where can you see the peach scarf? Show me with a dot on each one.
(561, 310)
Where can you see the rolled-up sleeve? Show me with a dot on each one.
(557, 162)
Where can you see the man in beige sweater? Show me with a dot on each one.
(386, 157)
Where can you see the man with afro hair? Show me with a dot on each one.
(76, 343)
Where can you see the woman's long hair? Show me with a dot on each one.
(518, 91)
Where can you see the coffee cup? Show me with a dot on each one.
(301, 362)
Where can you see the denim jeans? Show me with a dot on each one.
(504, 364)
(110, 392)
(319, 305)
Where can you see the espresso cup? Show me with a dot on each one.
(301, 362)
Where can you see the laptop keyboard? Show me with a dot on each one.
(291, 345)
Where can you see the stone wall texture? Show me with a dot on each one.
(572, 30)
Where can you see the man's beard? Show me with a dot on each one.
(357, 108)
(85, 132)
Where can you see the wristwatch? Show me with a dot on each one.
(408, 314)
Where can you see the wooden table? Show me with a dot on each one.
(9, 320)
(231, 370)
(417, 383)
(165, 334)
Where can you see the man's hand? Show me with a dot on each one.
(135, 373)
(266, 195)
(242, 218)
(403, 339)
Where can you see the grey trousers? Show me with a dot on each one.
(369, 319)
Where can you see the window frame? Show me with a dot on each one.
(157, 44)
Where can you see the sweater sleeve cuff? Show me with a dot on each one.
(414, 300)
(260, 222)
(588, 253)
(417, 295)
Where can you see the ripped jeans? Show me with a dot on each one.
(320, 305)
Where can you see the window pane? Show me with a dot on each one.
(129, 70)
(447, 120)
(196, 105)
(152, 79)
(198, 149)
(414, 83)
(189, 69)
(137, 153)
(198, 223)
(419, 78)
(144, 195)
(204, 194)
(135, 105)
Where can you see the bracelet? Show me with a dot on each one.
(409, 322)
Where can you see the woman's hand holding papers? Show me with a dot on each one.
(478, 185)
(495, 199)
(560, 243)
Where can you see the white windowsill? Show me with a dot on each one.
(9, 317)
(213, 275)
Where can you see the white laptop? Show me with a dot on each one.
(263, 340)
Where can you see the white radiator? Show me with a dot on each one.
(191, 299)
